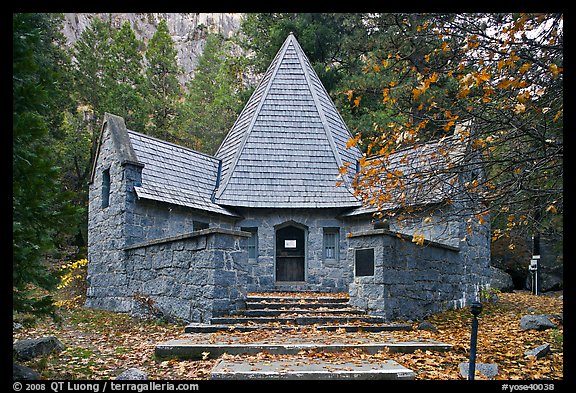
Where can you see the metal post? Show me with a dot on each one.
(475, 309)
(534, 265)
(536, 260)
(536, 280)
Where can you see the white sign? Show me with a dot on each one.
(289, 243)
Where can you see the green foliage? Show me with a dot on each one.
(215, 94)
(125, 76)
(163, 89)
(92, 54)
(331, 41)
(489, 295)
(41, 211)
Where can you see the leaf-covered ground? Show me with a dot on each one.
(101, 345)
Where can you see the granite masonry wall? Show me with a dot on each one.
(412, 281)
(106, 228)
(325, 275)
(151, 248)
(194, 276)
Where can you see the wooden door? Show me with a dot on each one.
(290, 253)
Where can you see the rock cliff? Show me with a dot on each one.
(188, 30)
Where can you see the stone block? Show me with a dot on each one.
(489, 370)
(221, 292)
(133, 374)
(220, 306)
(181, 258)
(539, 351)
(222, 242)
(29, 349)
(155, 287)
(23, 373)
(536, 322)
(225, 278)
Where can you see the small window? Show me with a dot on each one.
(105, 188)
(331, 246)
(199, 225)
(251, 242)
(364, 262)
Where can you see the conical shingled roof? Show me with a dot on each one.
(287, 145)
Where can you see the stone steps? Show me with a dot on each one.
(290, 299)
(286, 310)
(298, 311)
(298, 320)
(192, 349)
(252, 305)
(211, 328)
(289, 324)
(311, 370)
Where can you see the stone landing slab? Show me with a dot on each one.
(187, 349)
(310, 370)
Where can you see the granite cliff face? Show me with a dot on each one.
(188, 30)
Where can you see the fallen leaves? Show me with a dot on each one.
(100, 345)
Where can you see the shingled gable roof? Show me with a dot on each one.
(286, 147)
(429, 172)
(175, 174)
(170, 173)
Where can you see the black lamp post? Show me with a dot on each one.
(475, 309)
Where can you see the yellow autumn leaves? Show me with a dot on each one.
(424, 84)
(350, 95)
(72, 272)
(73, 282)
(418, 238)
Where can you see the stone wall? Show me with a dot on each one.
(412, 281)
(146, 247)
(320, 274)
(149, 220)
(106, 228)
(193, 276)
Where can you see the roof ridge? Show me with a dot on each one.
(173, 144)
(274, 66)
(287, 146)
(327, 130)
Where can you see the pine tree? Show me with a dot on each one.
(40, 208)
(163, 89)
(126, 78)
(215, 94)
(92, 62)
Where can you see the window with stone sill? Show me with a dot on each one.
(331, 243)
(251, 244)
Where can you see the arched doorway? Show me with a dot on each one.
(290, 253)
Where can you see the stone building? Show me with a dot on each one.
(196, 232)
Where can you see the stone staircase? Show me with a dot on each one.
(286, 311)
(289, 323)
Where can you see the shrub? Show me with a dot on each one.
(73, 284)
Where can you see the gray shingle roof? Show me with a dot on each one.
(427, 172)
(287, 145)
(175, 174)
